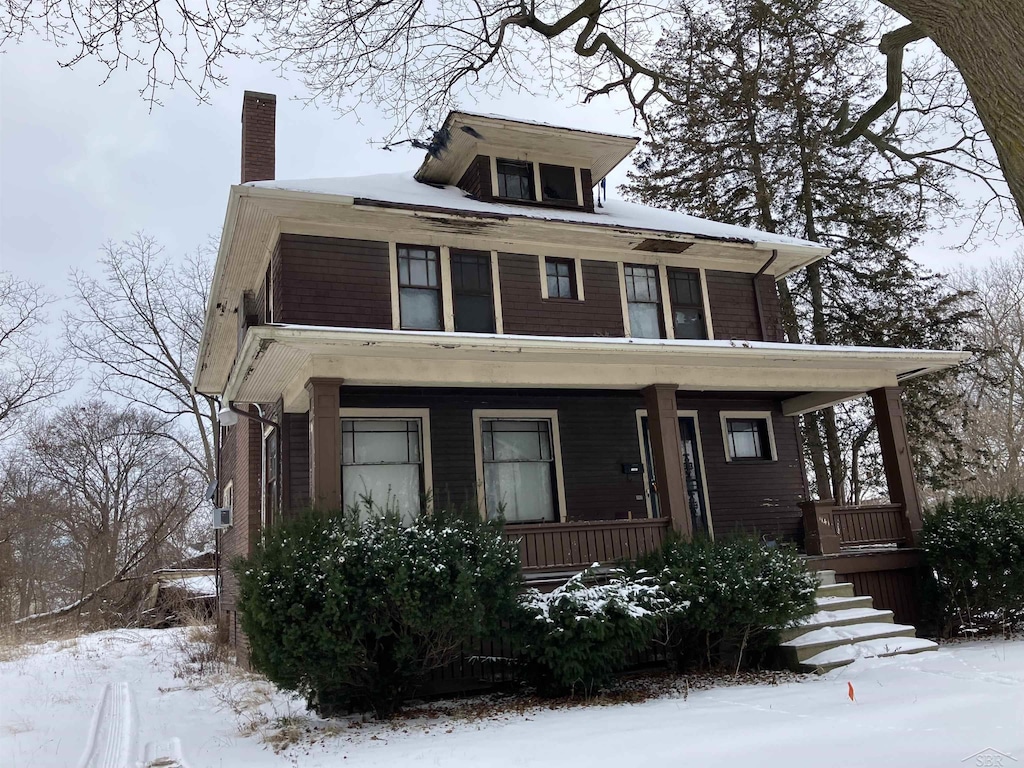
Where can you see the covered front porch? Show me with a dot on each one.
(619, 414)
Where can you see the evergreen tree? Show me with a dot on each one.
(749, 143)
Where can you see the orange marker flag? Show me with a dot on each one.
(849, 692)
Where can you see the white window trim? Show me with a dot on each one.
(499, 323)
(502, 413)
(535, 160)
(640, 415)
(667, 300)
(708, 325)
(447, 291)
(766, 415)
(227, 496)
(423, 414)
(577, 268)
(663, 299)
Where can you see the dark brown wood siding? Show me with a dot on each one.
(587, 180)
(734, 306)
(295, 465)
(750, 496)
(524, 311)
(334, 282)
(598, 431)
(476, 181)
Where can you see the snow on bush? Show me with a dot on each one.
(354, 613)
(974, 549)
(738, 594)
(575, 638)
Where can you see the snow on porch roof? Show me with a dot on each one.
(401, 189)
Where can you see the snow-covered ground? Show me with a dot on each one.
(112, 700)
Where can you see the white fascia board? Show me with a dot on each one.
(216, 285)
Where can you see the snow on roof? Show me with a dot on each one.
(541, 123)
(403, 189)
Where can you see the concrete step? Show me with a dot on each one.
(840, 618)
(843, 603)
(835, 590)
(826, 578)
(810, 644)
(842, 655)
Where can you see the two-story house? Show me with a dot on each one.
(486, 330)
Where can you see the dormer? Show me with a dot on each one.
(522, 163)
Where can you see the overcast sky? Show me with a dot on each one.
(82, 163)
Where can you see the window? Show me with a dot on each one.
(271, 503)
(515, 179)
(687, 304)
(227, 496)
(642, 298)
(748, 436)
(519, 470)
(419, 288)
(561, 276)
(382, 459)
(558, 183)
(471, 292)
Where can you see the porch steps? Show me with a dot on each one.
(846, 628)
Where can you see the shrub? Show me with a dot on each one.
(974, 548)
(577, 637)
(353, 613)
(738, 594)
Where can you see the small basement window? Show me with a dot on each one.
(515, 179)
(558, 183)
(748, 436)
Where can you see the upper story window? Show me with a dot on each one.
(515, 180)
(472, 293)
(561, 277)
(643, 300)
(687, 304)
(419, 288)
(558, 183)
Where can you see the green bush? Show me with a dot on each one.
(574, 639)
(733, 596)
(354, 613)
(974, 551)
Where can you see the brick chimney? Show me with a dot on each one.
(259, 112)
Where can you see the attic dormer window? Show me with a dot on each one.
(515, 179)
(558, 183)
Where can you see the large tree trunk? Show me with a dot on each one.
(983, 38)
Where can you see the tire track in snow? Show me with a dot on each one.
(110, 737)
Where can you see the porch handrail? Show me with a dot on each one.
(828, 528)
(578, 544)
(869, 524)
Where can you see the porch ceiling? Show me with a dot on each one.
(277, 361)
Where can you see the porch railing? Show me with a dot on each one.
(828, 528)
(864, 526)
(567, 546)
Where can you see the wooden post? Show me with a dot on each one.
(666, 447)
(324, 444)
(899, 469)
(820, 536)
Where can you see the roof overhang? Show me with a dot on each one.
(256, 217)
(277, 361)
(467, 135)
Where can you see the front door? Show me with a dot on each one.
(693, 477)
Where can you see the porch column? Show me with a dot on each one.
(324, 444)
(899, 470)
(666, 446)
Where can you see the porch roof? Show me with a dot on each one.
(277, 361)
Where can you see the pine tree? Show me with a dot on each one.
(749, 144)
